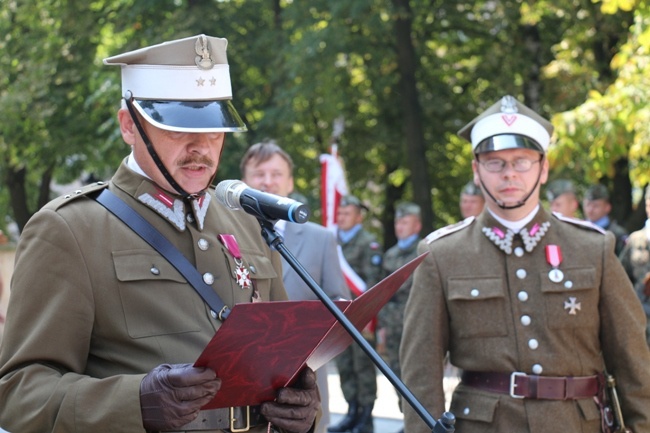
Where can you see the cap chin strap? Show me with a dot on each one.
(521, 202)
(128, 97)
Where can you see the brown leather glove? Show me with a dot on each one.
(172, 395)
(646, 284)
(294, 409)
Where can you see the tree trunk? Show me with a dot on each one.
(412, 112)
(18, 195)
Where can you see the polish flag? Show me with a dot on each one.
(333, 186)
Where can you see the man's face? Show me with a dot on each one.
(510, 186)
(596, 209)
(471, 205)
(566, 204)
(272, 175)
(191, 158)
(348, 216)
(406, 226)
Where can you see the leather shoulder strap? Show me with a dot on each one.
(153, 237)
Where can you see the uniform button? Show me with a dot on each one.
(521, 274)
(519, 251)
(78, 192)
(252, 269)
(155, 270)
(203, 244)
(213, 314)
(525, 320)
(523, 296)
(537, 369)
(533, 344)
(466, 411)
(189, 218)
(568, 284)
(474, 293)
(208, 278)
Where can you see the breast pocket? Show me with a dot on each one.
(477, 306)
(156, 299)
(573, 302)
(262, 272)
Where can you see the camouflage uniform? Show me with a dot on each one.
(391, 317)
(356, 369)
(636, 261)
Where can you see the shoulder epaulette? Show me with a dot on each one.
(71, 196)
(578, 222)
(449, 229)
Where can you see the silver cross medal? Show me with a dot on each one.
(572, 305)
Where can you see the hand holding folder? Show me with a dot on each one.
(263, 346)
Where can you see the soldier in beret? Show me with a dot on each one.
(363, 270)
(563, 198)
(597, 206)
(408, 225)
(635, 258)
(531, 306)
(102, 332)
(472, 201)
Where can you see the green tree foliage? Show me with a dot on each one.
(403, 75)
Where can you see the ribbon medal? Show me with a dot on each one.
(554, 258)
(242, 276)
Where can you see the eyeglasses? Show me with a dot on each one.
(520, 165)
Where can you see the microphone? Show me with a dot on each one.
(236, 195)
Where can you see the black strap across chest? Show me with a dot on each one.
(153, 237)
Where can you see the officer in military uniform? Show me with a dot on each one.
(472, 201)
(635, 258)
(563, 198)
(531, 306)
(102, 332)
(597, 207)
(408, 225)
(356, 370)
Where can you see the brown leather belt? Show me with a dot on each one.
(522, 385)
(233, 419)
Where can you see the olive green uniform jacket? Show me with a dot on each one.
(93, 307)
(500, 312)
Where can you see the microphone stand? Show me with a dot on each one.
(446, 424)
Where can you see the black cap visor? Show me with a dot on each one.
(507, 141)
(191, 116)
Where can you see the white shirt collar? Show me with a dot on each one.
(516, 226)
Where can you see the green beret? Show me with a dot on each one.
(597, 192)
(471, 188)
(407, 208)
(350, 200)
(559, 187)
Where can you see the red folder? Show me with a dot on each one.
(263, 346)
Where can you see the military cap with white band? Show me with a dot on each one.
(508, 124)
(181, 85)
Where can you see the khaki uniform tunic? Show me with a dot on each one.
(94, 308)
(491, 304)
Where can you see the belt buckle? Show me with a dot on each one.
(513, 385)
(233, 420)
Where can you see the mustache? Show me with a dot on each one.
(196, 160)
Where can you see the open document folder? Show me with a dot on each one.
(263, 346)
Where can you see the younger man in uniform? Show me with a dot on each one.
(472, 201)
(562, 197)
(408, 225)
(356, 370)
(532, 307)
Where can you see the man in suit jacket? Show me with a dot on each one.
(267, 167)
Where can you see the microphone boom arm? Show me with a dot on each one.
(274, 240)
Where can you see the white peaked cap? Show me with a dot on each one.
(181, 85)
(508, 124)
